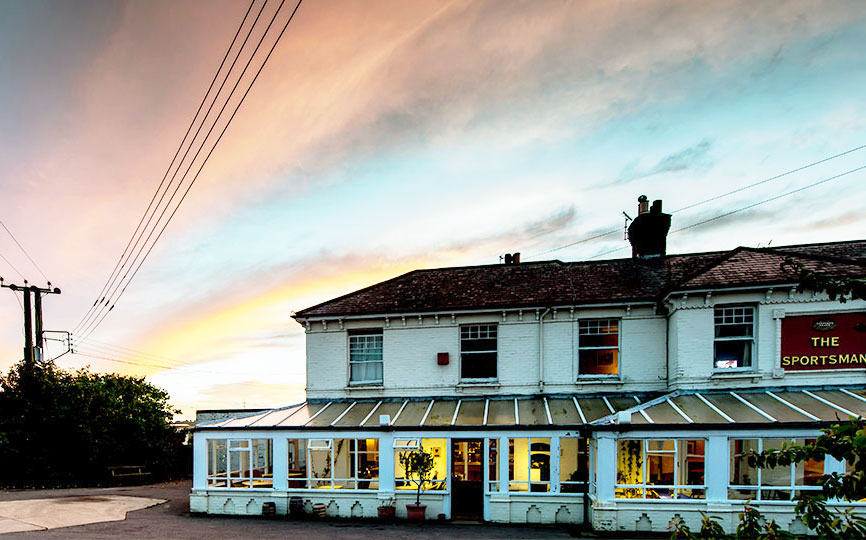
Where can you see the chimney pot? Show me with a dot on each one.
(656, 207)
(642, 205)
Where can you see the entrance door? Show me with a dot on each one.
(467, 479)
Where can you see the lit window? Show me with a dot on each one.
(365, 357)
(660, 469)
(334, 464)
(240, 463)
(734, 337)
(598, 342)
(478, 352)
(573, 465)
(529, 465)
(437, 448)
(780, 483)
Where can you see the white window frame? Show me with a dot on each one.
(366, 335)
(732, 311)
(232, 451)
(529, 481)
(327, 445)
(580, 333)
(758, 488)
(445, 483)
(644, 486)
(584, 483)
(470, 353)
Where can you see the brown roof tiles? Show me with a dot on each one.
(549, 283)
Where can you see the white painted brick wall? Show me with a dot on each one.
(410, 349)
(692, 335)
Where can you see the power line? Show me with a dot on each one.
(12, 266)
(711, 199)
(94, 342)
(119, 264)
(142, 364)
(726, 214)
(747, 207)
(24, 251)
(210, 152)
(764, 181)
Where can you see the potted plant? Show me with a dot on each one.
(387, 509)
(419, 466)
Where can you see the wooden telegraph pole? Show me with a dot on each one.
(32, 350)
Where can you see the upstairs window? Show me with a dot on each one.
(598, 342)
(478, 352)
(365, 357)
(734, 337)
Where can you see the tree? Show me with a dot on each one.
(845, 442)
(843, 288)
(419, 466)
(61, 428)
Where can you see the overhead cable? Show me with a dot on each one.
(120, 261)
(744, 208)
(24, 251)
(714, 198)
(90, 327)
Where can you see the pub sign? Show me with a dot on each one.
(811, 342)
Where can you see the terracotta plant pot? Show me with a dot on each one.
(386, 512)
(415, 512)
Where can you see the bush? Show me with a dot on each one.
(63, 429)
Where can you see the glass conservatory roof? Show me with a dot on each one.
(748, 406)
(677, 408)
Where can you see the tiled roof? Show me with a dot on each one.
(551, 283)
(745, 266)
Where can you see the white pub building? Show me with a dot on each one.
(614, 393)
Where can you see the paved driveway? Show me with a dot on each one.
(54, 513)
(172, 520)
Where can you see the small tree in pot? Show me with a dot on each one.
(419, 466)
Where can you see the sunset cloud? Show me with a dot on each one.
(387, 136)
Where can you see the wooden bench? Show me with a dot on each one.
(128, 472)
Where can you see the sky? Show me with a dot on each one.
(387, 136)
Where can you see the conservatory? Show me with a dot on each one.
(619, 461)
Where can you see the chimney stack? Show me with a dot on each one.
(649, 231)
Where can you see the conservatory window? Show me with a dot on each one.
(660, 469)
(529, 465)
(734, 337)
(781, 483)
(333, 463)
(598, 344)
(436, 447)
(493, 465)
(573, 465)
(297, 463)
(240, 463)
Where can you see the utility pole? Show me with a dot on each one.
(32, 354)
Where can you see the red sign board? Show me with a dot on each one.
(812, 342)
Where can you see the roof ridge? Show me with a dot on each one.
(813, 256)
(726, 256)
(367, 288)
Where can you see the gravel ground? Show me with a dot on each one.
(172, 520)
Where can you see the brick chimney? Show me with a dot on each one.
(649, 231)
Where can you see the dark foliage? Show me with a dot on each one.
(60, 428)
(843, 288)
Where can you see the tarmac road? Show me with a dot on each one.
(171, 520)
